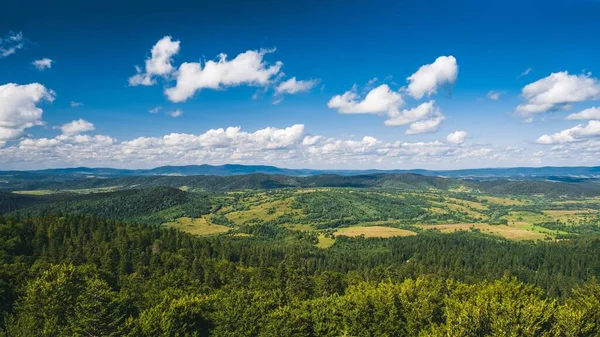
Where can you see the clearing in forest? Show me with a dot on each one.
(34, 192)
(508, 232)
(374, 231)
(325, 242)
(503, 201)
(197, 226)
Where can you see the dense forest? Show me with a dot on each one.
(68, 275)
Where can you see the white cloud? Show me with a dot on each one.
(574, 134)
(425, 126)
(158, 64)
(18, 108)
(11, 43)
(248, 68)
(582, 152)
(42, 64)
(293, 86)
(525, 72)
(418, 113)
(232, 137)
(76, 104)
(76, 127)
(311, 140)
(286, 147)
(457, 137)
(494, 95)
(591, 113)
(422, 119)
(155, 110)
(381, 100)
(175, 113)
(39, 143)
(557, 91)
(430, 77)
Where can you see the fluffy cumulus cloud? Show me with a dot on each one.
(408, 116)
(248, 68)
(457, 137)
(585, 152)
(288, 146)
(591, 113)
(557, 91)
(425, 126)
(158, 64)
(76, 127)
(430, 77)
(293, 86)
(384, 101)
(10, 43)
(380, 100)
(574, 134)
(230, 138)
(43, 64)
(19, 108)
(424, 118)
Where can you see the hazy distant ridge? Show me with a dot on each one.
(235, 169)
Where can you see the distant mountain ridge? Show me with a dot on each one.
(548, 172)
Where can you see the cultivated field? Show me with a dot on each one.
(374, 232)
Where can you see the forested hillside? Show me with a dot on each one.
(80, 276)
(22, 181)
(152, 206)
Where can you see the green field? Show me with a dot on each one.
(507, 232)
(374, 232)
(34, 192)
(199, 226)
(325, 242)
(75, 191)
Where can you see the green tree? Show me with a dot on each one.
(580, 315)
(48, 303)
(504, 308)
(186, 316)
(98, 311)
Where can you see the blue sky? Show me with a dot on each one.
(483, 48)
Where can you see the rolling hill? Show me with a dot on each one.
(526, 173)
